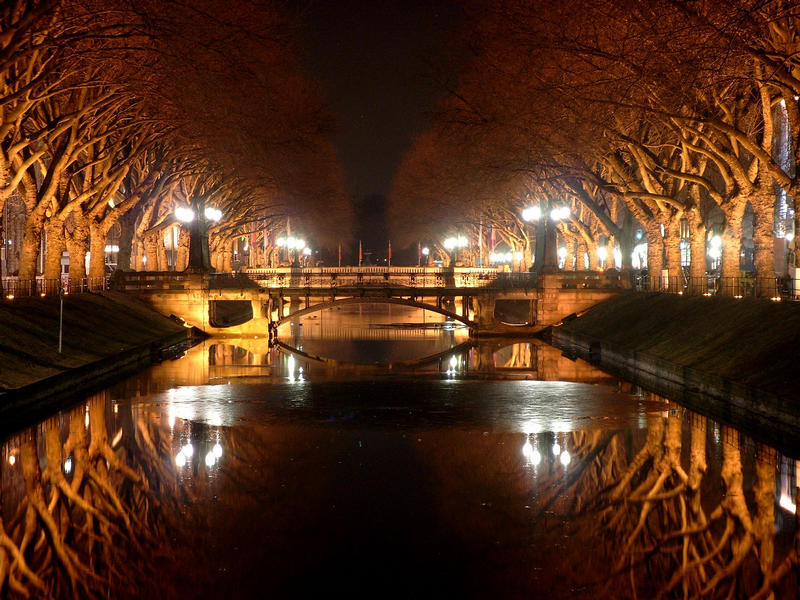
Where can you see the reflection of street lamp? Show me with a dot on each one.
(545, 257)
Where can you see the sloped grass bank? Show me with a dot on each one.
(95, 327)
(753, 342)
(732, 360)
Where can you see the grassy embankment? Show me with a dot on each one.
(95, 326)
(753, 342)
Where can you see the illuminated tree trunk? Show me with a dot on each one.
(183, 250)
(56, 244)
(764, 242)
(697, 251)
(31, 243)
(163, 263)
(227, 256)
(655, 253)
(594, 259)
(732, 247)
(672, 245)
(127, 223)
(151, 252)
(77, 245)
(97, 252)
(569, 257)
(139, 255)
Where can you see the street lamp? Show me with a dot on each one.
(199, 259)
(545, 257)
(425, 252)
(453, 244)
(293, 244)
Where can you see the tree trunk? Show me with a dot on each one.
(127, 223)
(591, 252)
(97, 252)
(30, 247)
(151, 252)
(55, 246)
(655, 254)
(764, 242)
(77, 245)
(672, 245)
(731, 249)
(183, 250)
(697, 254)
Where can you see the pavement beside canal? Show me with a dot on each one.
(106, 330)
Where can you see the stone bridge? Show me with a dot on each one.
(257, 302)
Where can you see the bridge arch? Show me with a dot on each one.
(373, 300)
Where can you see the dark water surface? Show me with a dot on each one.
(499, 470)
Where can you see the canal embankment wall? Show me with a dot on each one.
(104, 337)
(732, 359)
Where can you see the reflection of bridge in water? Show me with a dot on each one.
(488, 302)
(246, 358)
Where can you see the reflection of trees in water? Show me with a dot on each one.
(88, 505)
(664, 539)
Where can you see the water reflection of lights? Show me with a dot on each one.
(556, 449)
(68, 466)
(565, 458)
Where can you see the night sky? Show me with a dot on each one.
(372, 58)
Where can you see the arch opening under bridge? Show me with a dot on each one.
(373, 300)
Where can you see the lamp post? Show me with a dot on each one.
(453, 244)
(199, 255)
(293, 248)
(545, 258)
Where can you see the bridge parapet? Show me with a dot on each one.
(327, 277)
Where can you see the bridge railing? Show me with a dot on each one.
(13, 287)
(711, 285)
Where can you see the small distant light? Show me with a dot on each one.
(680, 293)
(789, 236)
(556, 449)
(536, 458)
(210, 459)
(180, 460)
(565, 458)
(12, 459)
(68, 466)
(10, 297)
(426, 251)
(188, 450)
(217, 450)
(42, 294)
(707, 294)
(453, 362)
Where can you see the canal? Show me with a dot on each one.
(378, 452)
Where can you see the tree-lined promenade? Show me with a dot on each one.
(115, 114)
(669, 130)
